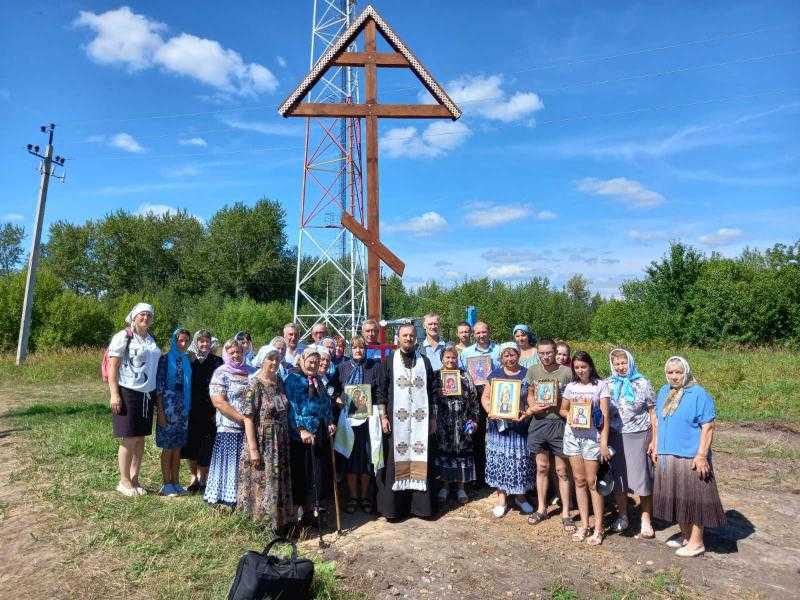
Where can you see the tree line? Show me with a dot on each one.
(237, 272)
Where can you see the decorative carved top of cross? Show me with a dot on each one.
(369, 22)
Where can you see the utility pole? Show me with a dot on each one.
(46, 169)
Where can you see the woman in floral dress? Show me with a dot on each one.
(265, 484)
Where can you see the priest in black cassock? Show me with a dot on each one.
(408, 422)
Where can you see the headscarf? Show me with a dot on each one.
(240, 368)
(313, 379)
(264, 352)
(194, 349)
(676, 393)
(508, 346)
(173, 356)
(530, 334)
(139, 308)
(622, 385)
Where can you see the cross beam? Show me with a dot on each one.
(371, 110)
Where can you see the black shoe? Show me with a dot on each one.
(194, 487)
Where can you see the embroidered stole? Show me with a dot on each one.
(410, 425)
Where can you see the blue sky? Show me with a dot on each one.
(593, 132)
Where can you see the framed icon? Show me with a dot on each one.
(505, 398)
(479, 368)
(580, 414)
(547, 393)
(359, 400)
(451, 382)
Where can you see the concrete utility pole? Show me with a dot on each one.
(46, 170)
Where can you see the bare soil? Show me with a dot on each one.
(465, 553)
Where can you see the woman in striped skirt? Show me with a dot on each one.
(685, 490)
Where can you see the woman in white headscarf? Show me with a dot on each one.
(685, 490)
(132, 366)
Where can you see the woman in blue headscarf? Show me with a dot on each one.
(526, 342)
(174, 393)
(632, 417)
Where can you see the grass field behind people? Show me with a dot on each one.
(181, 548)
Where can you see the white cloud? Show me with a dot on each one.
(131, 40)
(510, 271)
(722, 237)
(125, 141)
(492, 214)
(278, 128)
(435, 140)
(422, 226)
(546, 215)
(645, 236)
(122, 37)
(195, 141)
(484, 96)
(281, 61)
(627, 191)
(11, 217)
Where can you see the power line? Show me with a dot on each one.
(514, 71)
(663, 107)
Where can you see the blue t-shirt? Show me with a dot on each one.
(679, 434)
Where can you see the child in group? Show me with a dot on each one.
(585, 407)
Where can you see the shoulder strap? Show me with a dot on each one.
(281, 540)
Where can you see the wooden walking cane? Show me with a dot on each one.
(335, 491)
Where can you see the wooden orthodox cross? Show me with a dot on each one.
(370, 22)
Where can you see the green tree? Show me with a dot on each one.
(11, 237)
(244, 252)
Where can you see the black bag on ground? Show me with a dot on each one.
(261, 576)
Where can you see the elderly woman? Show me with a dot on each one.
(227, 389)
(265, 484)
(310, 424)
(277, 343)
(632, 417)
(330, 345)
(509, 468)
(202, 424)
(456, 422)
(133, 357)
(685, 490)
(526, 342)
(359, 440)
(174, 396)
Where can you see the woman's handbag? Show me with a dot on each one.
(261, 576)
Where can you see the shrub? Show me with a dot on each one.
(74, 320)
(12, 291)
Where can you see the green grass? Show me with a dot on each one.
(171, 547)
(747, 385)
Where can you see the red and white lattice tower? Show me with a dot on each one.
(330, 286)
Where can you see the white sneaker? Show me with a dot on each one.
(676, 542)
(498, 511)
(524, 506)
(688, 552)
(126, 491)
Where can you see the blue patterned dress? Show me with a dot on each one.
(176, 432)
(223, 472)
(509, 467)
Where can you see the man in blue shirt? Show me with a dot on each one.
(432, 346)
(369, 329)
(483, 345)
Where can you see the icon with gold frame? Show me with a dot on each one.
(505, 398)
(359, 400)
(451, 382)
(479, 368)
(580, 414)
(547, 393)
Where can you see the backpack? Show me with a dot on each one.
(104, 365)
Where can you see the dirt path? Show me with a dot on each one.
(466, 554)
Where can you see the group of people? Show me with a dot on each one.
(272, 431)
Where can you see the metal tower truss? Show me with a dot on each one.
(330, 285)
